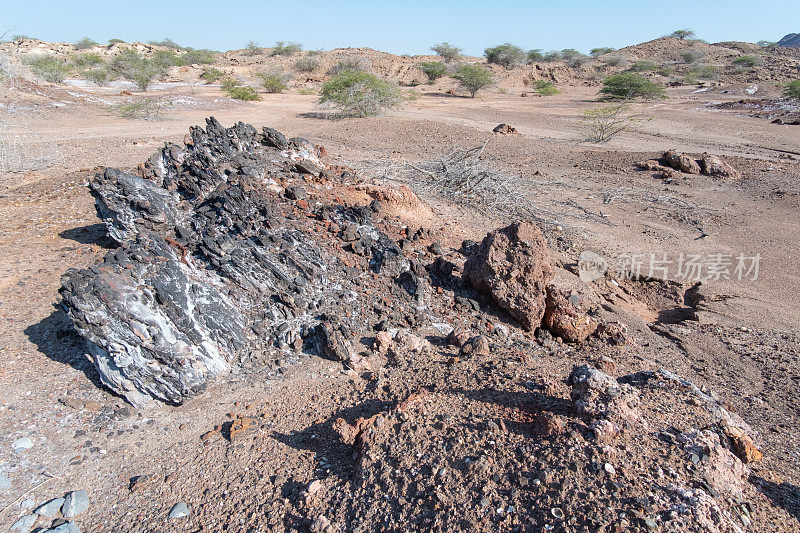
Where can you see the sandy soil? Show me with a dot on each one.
(84, 437)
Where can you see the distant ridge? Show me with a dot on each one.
(791, 40)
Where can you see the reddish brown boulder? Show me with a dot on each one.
(511, 265)
(504, 129)
(715, 167)
(477, 345)
(565, 316)
(742, 445)
(682, 162)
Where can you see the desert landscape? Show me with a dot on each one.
(497, 295)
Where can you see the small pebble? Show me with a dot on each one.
(179, 510)
(5, 483)
(21, 445)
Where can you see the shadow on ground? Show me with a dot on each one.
(92, 234)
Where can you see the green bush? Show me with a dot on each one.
(551, 56)
(644, 65)
(544, 88)
(603, 50)
(306, 64)
(286, 49)
(535, 56)
(116, 41)
(473, 78)
(232, 89)
(691, 56)
(85, 43)
(198, 57)
(147, 108)
(359, 94)
(136, 68)
(577, 60)
(351, 63)
(98, 76)
(568, 53)
(792, 89)
(506, 55)
(682, 34)
(447, 51)
(613, 61)
(433, 69)
(701, 72)
(166, 43)
(49, 68)
(629, 85)
(274, 81)
(747, 61)
(766, 44)
(164, 59)
(254, 48)
(211, 74)
(88, 60)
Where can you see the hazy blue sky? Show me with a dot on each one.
(401, 26)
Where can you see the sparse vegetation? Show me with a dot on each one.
(792, 89)
(766, 44)
(198, 57)
(85, 43)
(148, 109)
(551, 56)
(568, 54)
(506, 55)
(747, 61)
(134, 67)
(535, 56)
(166, 43)
(701, 72)
(98, 76)
(604, 123)
(307, 64)
(630, 85)
(348, 63)
(211, 74)
(692, 56)
(49, 68)
(433, 69)
(603, 50)
(613, 61)
(233, 89)
(306, 91)
(282, 48)
(577, 60)
(88, 60)
(544, 88)
(115, 41)
(356, 93)
(254, 48)
(644, 65)
(447, 51)
(274, 81)
(473, 78)
(682, 34)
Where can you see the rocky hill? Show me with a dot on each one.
(791, 40)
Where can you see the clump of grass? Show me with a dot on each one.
(307, 64)
(232, 89)
(98, 76)
(747, 61)
(544, 88)
(577, 60)
(306, 91)
(350, 63)
(166, 43)
(792, 89)
(433, 70)
(447, 51)
(85, 44)
(473, 78)
(88, 60)
(49, 68)
(506, 55)
(211, 74)
(613, 61)
(356, 93)
(692, 56)
(629, 85)
(286, 49)
(701, 72)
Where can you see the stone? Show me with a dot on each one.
(683, 162)
(67, 527)
(24, 524)
(22, 444)
(50, 509)
(742, 445)
(715, 167)
(504, 129)
(295, 192)
(240, 426)
(511, 265)
(477, 345)
(274, 138)
(5, 483)
(75, 503)
(179, 510)
(565, 316)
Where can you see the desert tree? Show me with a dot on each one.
(682, 34)
(447, 51)
(254, 48)
(473, 78)
(355, 93)
(506, 55)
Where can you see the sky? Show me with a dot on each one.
(401, 27)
